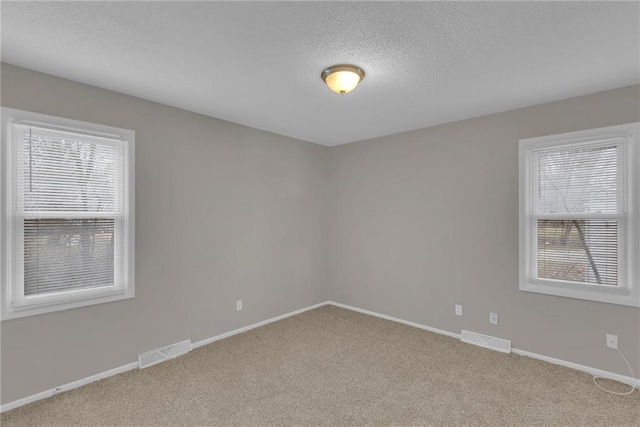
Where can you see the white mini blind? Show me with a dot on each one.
(578, 205)
(584, 251)
(586, 179)
(68, 254)
(69, 210)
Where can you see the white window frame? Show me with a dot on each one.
(628, 290)
(12, 281)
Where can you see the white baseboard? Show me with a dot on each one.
(395, 319)
(255, 325)
(134, 365)
(593, 371)
(69, 386)
(553, 360)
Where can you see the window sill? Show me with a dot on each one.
(618, 296)
(30, 309)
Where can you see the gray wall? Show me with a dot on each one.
(426, 219)
(406, 225)
(223, 212)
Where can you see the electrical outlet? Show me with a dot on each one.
(493, 318)
(239, 305)
(612, 341)
(458, 309)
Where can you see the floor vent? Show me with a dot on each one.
(486, 341)
(165, 353)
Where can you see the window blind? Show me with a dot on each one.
(578, 203)
(68, 254)
(578, 251)
(580, 180)
(69, 205)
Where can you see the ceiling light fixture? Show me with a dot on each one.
(342, 78)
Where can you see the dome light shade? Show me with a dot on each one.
(342, 78)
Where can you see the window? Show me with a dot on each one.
(67, 214)
(579, 222)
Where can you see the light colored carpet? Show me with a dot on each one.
(335, 367)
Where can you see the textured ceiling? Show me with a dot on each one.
(259, 63)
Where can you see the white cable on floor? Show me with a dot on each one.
(633, 386)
